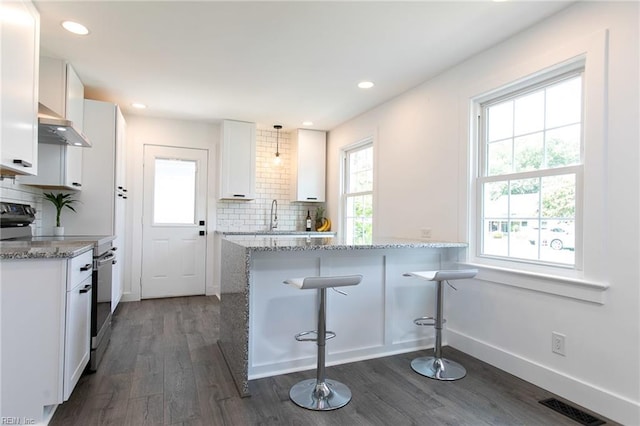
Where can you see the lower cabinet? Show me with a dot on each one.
(45, 319)
(77, 334)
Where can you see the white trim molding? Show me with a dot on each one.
(574, 288)
(597, 399)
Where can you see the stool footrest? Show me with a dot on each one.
(431, 321)
(301, 337)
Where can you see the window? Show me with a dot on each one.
(530, 171)
(174, 191)
(358, 193)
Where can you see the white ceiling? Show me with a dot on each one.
(272, 62)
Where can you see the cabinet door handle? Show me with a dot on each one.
(76, 184)
(119, 195)
(239, 195)
(202, 233)
(87, 267)
(312, 198)
(85, 289)
(23, 163)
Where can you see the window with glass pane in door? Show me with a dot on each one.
(530, 172)
(174, 192)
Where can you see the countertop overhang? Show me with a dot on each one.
(276, 243)
(50, 247)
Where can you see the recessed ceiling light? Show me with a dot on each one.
(307, 123)
(138, 105)
(365, 84)
(76, 28)
(61, 129)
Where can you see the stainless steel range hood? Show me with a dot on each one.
(57, 130)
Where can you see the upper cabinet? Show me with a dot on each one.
(62, 91)
(20, 35)
(308, 168)
(237, 160)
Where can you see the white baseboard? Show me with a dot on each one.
(596, 399)
(130, 297)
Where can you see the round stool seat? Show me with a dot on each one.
(321, 394)
(444, 275)
(437, 367)
(324, 282)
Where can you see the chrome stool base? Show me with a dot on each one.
(438, 368)
(326, 396)
(320, 394)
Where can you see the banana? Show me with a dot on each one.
(326, 224)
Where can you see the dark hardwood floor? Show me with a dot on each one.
(163, 367)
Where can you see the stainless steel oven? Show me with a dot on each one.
(103, 260)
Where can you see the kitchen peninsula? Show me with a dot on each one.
(260, 315)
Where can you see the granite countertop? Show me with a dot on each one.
(274, 233)
(257, 244)
(45, 247)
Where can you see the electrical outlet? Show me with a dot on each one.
(425, 233)
(557, 343)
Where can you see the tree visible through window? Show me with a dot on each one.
(529, 181)
(358, 194)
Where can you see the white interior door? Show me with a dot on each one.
(173, 229)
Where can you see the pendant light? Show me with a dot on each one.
(277, 160)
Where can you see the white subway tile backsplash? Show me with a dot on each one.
(14, 192)
(272, 182)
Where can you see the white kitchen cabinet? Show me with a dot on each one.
(237, 160)
(60, 167)
(20, 47)
(77, 334)
(45, 340)
(308, 170)
(103, 200)
(62, 91)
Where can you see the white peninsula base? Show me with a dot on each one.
(260, 315)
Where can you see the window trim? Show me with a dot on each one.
(344, 152)
(591, 52)
(543, 80)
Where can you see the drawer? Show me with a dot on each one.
(79, 268)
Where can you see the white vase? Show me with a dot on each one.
(58, 231)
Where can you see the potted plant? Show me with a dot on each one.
(60, 201)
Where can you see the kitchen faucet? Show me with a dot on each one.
(273, 219)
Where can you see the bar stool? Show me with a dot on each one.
(321, 394)
(437, 367)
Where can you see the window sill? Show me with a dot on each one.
(574, 288)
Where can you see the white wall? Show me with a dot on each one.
(156, 131)
(422, 164)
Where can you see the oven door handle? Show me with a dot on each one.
(106, 259)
